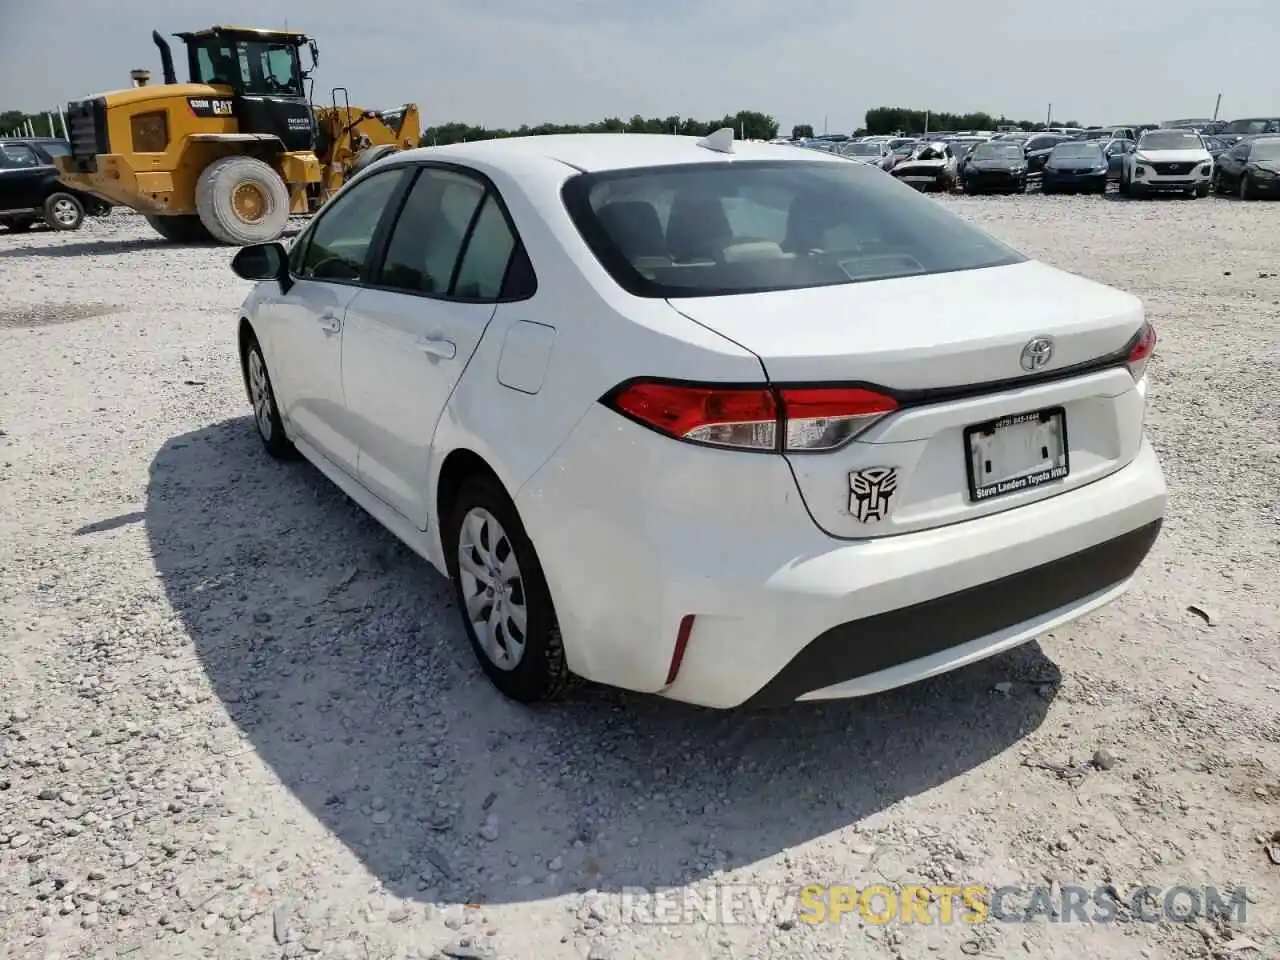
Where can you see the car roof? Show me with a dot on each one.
(594, 152)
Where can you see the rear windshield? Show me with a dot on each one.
(715, 229)
(1090, 150)
(998, 150)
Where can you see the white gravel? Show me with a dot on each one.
(237, 719)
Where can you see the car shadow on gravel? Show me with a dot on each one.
(111, 248)
(337, 654)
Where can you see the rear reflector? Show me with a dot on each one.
(1140, 350)
(765, 419)
(682, 644)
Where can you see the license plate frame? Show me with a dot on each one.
(1028, 478)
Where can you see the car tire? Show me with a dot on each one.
(482, 523)
(19, 225)
(262, 398)
(241, 201)
(181, 229)
(62, 211)
(1202, 191)
(1246, 187)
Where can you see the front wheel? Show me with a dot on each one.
(62, 211)
(1246, 187)
(502, 594)
(262, 396)
(242, 200)
(1202, 191)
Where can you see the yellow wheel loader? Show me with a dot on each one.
(232, 154)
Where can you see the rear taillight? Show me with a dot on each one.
(1140, 350)
(766, 419)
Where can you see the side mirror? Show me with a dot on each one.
(263, 261)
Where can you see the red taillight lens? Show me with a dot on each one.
(753, 418)
(823, 418)
(1144, 344)
(745, 418)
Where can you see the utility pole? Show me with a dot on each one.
(1048, 117)
(1217, 106)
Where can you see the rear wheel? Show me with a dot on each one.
(242, 200)
(20, 225)
(62, 211)
(502, 594)
(181, 229)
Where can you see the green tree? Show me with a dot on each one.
(802, 131)
(886, 120)
(750, 124)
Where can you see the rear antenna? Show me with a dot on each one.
(721, 141)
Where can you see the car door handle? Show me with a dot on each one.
(330, 323)
(438, 347)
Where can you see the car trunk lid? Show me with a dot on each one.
(950, 348)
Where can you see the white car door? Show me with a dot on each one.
(305, 323)
(411, 332)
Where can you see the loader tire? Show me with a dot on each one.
(242, 201)
(181, 229)
(372, 155)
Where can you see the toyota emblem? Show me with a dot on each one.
(1037, 354)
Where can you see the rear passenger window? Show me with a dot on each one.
(429, 234)
(484, 264)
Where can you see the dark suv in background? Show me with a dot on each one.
(31, 193)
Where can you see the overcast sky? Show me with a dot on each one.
(507, 62)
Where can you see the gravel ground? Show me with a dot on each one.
(237, 719)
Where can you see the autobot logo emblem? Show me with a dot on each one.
(870, 491)
(1037, 354)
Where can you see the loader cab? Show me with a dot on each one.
(264, 70)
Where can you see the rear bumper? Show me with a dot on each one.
(634, 542)
(908, 644)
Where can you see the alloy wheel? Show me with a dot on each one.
(260, 394)
(492, 588)
(64, 211)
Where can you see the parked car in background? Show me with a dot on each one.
(1115, 151)
(1038, 148)
(931, 166)
(1214, 144)
(1251, 127)
(873, 152)
(1075, 167)
(650, 404)
(31, 193)
(961, 146)
(1250, 169)
(998, 166)
(1167, 161)
(901, 152)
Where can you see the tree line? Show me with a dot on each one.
(746, 124)
(884, 120)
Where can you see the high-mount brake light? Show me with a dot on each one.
(763, 419)
(1140, 350)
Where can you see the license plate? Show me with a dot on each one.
(1017, 452)
(919, 179)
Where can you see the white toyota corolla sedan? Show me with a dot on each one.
(730, 423)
